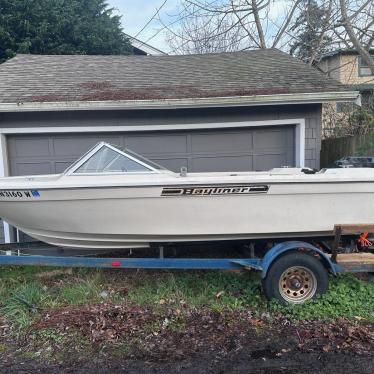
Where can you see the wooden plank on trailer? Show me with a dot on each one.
(356, 262)
(356, 258)
(354, 229)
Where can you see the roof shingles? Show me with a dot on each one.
(51, 78)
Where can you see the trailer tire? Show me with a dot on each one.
(295, 278)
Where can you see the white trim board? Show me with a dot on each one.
(134, 128)
(202, 102)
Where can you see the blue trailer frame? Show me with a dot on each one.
(258, 264)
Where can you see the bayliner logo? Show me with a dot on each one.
(15, 194)
(209, 190)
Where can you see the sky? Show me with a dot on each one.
(136, 13)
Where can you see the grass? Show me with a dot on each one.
(213, 289)
(83, 292)
(21, 304)
(25, 292)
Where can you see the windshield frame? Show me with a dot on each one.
(151, 166)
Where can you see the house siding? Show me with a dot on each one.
(349, 72)
(345, 69)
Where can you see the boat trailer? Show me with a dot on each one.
(285, 255)
(345, 262)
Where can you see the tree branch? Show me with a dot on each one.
(286, 23)
(353, 38)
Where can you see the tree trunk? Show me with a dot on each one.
(258, 24)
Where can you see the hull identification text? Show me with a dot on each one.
(209, 190)
(20, 194)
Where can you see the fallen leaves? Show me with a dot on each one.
(170, 330)
(101, 322)
(340, 335)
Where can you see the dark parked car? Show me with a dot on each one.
(355, 162)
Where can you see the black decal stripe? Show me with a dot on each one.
(215, 190)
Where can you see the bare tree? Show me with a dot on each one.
(211, 26)
(198, 35)
(217, 26)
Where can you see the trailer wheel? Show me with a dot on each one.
(295, 278)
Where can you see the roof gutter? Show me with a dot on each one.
(204, 102)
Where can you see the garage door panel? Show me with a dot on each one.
(221, 142)
(272, 139)
(70, 146)
(172, 164)
(31, 168)
(269, 161)
(62, 166)
(29, 147)
(227, 163)
(156, 144)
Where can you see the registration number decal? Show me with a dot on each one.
(209, 190)
(19, 193)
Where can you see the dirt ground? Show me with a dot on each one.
(108, 338)
(247, 360)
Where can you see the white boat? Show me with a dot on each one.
(112, 198)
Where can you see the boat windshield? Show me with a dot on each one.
(144, 159)
(105, 158)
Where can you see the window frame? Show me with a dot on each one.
(361, 64)
(71, 171)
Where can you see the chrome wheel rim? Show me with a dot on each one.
(297, 284)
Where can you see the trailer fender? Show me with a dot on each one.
(281, 248)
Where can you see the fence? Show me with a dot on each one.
(335, 148)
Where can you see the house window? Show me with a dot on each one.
(363, 68)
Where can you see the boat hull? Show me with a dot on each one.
(136, 217)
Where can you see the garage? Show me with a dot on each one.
(214, 150)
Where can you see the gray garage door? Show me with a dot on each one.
(215, 150)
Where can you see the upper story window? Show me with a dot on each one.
(363, 68)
